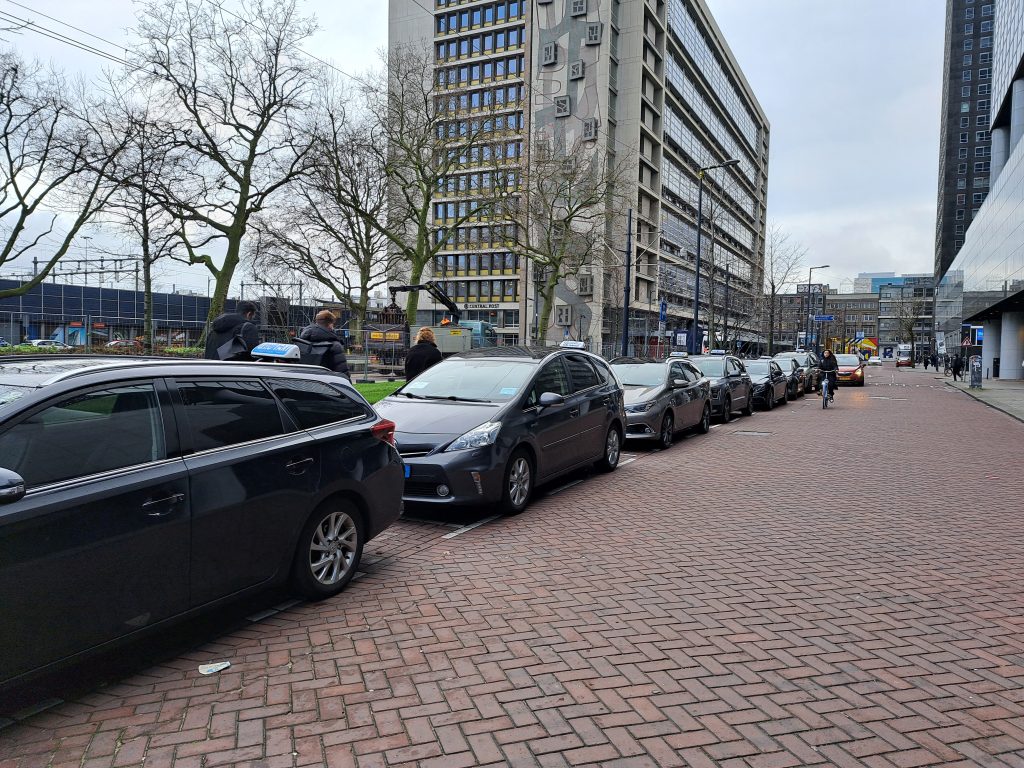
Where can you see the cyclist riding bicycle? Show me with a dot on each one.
(830, 368)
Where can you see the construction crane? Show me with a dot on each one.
(436, 292)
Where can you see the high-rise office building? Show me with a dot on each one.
(649, 82)
(965, 149)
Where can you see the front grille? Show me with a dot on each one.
(423, 489)
(412, 454)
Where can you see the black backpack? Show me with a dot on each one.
(315, 352)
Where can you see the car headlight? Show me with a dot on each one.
(640, 407)
(478, 437)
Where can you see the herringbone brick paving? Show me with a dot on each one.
(844, 591)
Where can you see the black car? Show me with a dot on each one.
(483, 427)
(809, 366)
(771, 385)
(795, 374)
(731, 388)
(137, 491)
(663, 397)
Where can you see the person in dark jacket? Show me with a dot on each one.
(230, 324)
(957, 366)
(321, 331)
(423, 354)
(830, 367)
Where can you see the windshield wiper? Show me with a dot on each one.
(410, 394)
(455, 398)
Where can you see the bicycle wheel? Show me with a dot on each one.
(824, 394)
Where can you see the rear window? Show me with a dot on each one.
(222, 413)
(314, 404)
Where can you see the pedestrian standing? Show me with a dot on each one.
(423, 354)
(927, 359)
(233, 335)
(325, 348)
(958, 366)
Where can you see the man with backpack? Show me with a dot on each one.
(233, 335)
(319, 344)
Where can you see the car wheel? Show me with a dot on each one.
(727, 410)
(612, 450)
(518, 483)
(668, 429)
(704, 425)
(785, 396)
(769, 399)
(330, 546)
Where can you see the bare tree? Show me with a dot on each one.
(560, 218)
(423, 137)
(53, 163)
(909, 310)
(325, 232)
(230, 88)
(783, 258)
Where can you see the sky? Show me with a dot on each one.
(852, 89)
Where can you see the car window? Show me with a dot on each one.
(694, 371)
(583, 374)
(551, 378)
(314, 403)
(605, 372)
(86, 434)
(680, 371)
(221, 413)
(733, 366)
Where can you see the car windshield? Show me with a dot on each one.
(847, 360)
(640, 374)
(9, 393)
(759, 367)
(801, 360)
(493, 381)
(712, 366)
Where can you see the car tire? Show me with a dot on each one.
(785, 396)
(769, 400)
(329, 549)
(612, 450)
(668, 429)
(748, 409)
(727, 409)
(704, 425)
(517, 483)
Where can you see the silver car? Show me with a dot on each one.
(663, 397)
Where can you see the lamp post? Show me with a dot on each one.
(807, 322)
(692, 346)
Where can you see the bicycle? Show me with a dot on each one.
(826, 386)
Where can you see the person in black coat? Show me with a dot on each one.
(230, 324)
(957, 366)
(423, 354)
(321, 331)
(830, 368)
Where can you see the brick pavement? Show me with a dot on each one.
(823, 595)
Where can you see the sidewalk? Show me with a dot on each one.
(1003, 395)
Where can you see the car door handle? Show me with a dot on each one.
(162, 506)
(574, 413)
(298, 466)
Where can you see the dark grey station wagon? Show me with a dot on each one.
(136, 491)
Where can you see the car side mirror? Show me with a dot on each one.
(12, 486)
(677, 383)
(550, 399)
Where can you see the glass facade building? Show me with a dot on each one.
(985, 283)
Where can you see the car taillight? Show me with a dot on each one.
(384, 430)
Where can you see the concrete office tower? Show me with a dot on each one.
(966, 152)
(651, 81)
(985, 284)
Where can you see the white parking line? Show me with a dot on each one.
(470, 527)
(564, 487)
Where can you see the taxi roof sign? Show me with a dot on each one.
(573, 344)
(275, 351)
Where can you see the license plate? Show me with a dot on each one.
(408, 469)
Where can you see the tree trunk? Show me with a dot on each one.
(413, 300)
(548, 292)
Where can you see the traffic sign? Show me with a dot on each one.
(663, 311)
(966, 341)
(824, 318)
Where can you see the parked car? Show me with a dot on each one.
(124, 344)
(874, 360)
(903, 360)
(797, 379)
(485, 426)
(771, 385)
(663, 397)
(851, 370)
(809, 363)
(48, 343)
(4, 342)
(136, 491)
(731, 388)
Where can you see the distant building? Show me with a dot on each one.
(905, 315)
(855, 323)
(965, 147)
(870, 282)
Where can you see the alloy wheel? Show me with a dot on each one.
(333, 547)
(519, 481)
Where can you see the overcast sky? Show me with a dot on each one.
(852, 89)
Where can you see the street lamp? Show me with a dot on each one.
(807, 322)
(692, 346)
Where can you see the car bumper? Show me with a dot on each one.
(760, 394)
(643, 426)
(456, 478)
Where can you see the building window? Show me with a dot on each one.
(978, 198)
(962, 155)
(958, 243)
(968, 59)
(961, 168)
(986, 10)
(985, 58)
(981, 120)
(986, 26)
(965, 122)
(980, 181)
(968, 45)
(983, 151)
(965, 92)
(984, 90)
(959, 229)
(969, 13)
(981, 136)
(981, 167)
(983, 105)
(984, 73)
(961, 199)
(961, 183)
(964, 137)
(960, 212)
(965, 75)
(965, 106)
(986, 42)
(968, 29)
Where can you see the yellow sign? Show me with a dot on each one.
(377, 335)
(393, 336)
(455, 332)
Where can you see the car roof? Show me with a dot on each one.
(639, 361)
(526, 354)
(42, 370)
